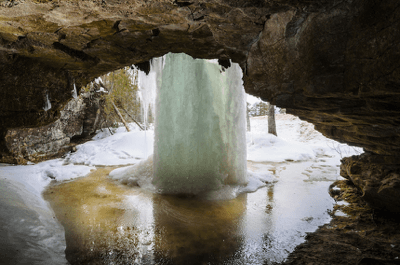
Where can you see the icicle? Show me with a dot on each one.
(147, 88)
(74, 92)
(98, 80)
(47, 103)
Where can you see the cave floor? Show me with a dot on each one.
(109, 223)
(106, 222)
(356, 235)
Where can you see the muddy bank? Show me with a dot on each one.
(357, 234)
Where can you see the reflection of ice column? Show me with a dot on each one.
(139, 214)
(189, 230)
(257, 226)
(200, 141)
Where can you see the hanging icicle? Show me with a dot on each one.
(74, 92)
(47, 103)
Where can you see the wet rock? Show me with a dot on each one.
(371, 261)
(362, 236)
(378, 177)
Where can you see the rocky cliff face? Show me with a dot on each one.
(377, 176)
(335, 63)
(55, 139)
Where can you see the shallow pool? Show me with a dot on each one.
(106, 222)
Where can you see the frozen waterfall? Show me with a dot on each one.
(200, 127)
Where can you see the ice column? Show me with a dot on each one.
(200, 141)
(148, 84)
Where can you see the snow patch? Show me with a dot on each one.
(122, 148)
(263, 147)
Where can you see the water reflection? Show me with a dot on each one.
(109, 223)
(106, 223)
(190, 231)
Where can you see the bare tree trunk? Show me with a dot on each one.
(115, 107)
(271, 120)
(97, 120)
(126, 112)
(120, 116)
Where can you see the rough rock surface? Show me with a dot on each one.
(335, 63)
(359, 235)
(44, 142)
(377, 176)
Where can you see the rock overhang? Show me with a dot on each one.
(333, 63)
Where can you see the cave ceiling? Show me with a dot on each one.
(333, 63)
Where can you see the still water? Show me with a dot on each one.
(106, 222)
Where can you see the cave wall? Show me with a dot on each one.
(338, 69)
(78, 121)
(335, 63)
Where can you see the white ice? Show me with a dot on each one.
(47, 103)
(74, 92)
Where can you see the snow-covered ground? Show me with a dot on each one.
(297, 141)
(29, 233)
(121, 148)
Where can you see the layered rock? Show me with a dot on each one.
(337, 68)
(377, 176)
(35, 144)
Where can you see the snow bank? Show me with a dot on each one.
(263, 147)
(122, 148)
(297, 141)
(36, 177)
(29, 232)
(140, 174)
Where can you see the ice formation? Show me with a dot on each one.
(200, 127)
(74, 92)
(148, 84)
(47, 103)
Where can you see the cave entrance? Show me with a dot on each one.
(285, 198)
